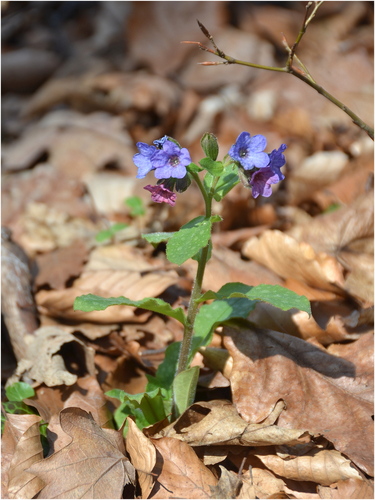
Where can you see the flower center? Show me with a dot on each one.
(174, 161)
(242, 152)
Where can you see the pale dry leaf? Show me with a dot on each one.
(349, 488)
(323, 467)
(28, 450)
(296, 260)
(143, 456)
(42, 362)
(314, 385)
(183, 475)
(119, 257)
(261, 483)
(218, 422)
(91, 466)
(228, 485)
(106, 283)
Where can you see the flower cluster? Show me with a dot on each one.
(257, 169)
(168, 160)
(261, 170)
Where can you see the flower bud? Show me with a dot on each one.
(210, 146)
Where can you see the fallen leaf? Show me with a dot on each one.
(296, 260)
(91, 466)
(323, 467)
(218, 422)
(228, 485)
(183, 475)
(143, 456)
(349, 488)
(314, 385)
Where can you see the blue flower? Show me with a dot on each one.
(248, 151)
(262, 179)
(144, 159)
(171, 161)
(159, 142)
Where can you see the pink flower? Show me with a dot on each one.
(161, 194)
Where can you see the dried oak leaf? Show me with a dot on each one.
(43, 364)
(218, 422)
(91, 466)
(22, 432)
(183, 475)
(349, 488)
(316, 387)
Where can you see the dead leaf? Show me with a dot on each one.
(28, 450)
(313, 384)
(296, 260)
(91, 466)
(261, 483)
(143, 456)
(228, 485)
(42, 362)
(349, 488)
(323, 467)
(217, 422)
(183, 475)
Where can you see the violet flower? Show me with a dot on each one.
(171, 161)
(144, 159)
(248, 151)
(262, 179)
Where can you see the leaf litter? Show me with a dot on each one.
(284, 408)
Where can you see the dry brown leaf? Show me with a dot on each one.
(106, 283)
(296, 260)
(349, 488)
(314, 385)
(323, 467)
(261, 484)
(91, 466)
(228, 485)
(57, 267)
(28, 450)
(217, 422)
(183, 475)
(43, 364)
(143, 456)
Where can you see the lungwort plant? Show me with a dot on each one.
(172, 389)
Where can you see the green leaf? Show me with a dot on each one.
(194, 168)
(214, 167)
(106, 234)
(90, 302)
(184, 387)
(156, 238)
(166, 371)
(276, 295)
(227, 181)
(189, 240)
(210, 146)
(212, 315)
(135, 203)
(19, 391)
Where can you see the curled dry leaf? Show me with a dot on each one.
(28, 450)
(316, 387)
(261, 484)
(183, 475)
(228, 486)
(296, 260)
(218, 422)
(42, 362)
(323, 467)
(143, 456)
(91, 466)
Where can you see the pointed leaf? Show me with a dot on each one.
(184, 387)
(92, 302)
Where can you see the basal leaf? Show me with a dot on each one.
(184, 387)
(90, 302)
(19, 391)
